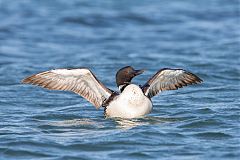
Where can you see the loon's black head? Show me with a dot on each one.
(125, 75)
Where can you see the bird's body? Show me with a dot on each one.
(131, 101)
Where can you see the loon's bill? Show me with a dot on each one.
(130, 102)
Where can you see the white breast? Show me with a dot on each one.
(131, 103)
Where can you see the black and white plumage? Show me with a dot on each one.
(132, 100)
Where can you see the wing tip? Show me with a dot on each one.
(26, 80)
(195, 78)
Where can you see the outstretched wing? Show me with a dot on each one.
(169, 79)
(81, 81)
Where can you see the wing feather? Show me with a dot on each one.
(169, 79)
(80, 81)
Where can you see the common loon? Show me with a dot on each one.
(131, 101)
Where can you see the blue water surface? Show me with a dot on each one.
(197, 122)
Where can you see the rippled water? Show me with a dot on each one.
(197, 122)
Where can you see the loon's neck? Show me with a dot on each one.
(121, 87)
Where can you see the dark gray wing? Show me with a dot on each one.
(169, 79)
(81, 81)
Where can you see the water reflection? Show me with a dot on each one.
(74, 122)
(129, 123)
